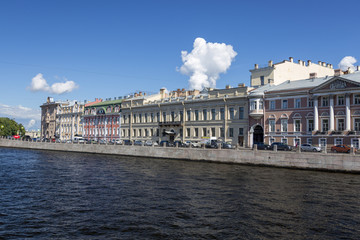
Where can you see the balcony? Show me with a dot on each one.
(256, 113)
(170, 124)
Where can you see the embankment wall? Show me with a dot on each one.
(300, 160)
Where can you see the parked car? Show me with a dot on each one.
(102, 141)
(211, 144)
(309, 148)
(138, 143)
(150, 143)
(281, 146)
(118, 142)
(341, 148)
(127, 142)
(227, 145)
(196, 144)
(167, 144)
(180, 144)
(263, 146)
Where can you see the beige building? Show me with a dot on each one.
(61, 119)
(289, 70)
(69, 120)
(48, 118)
(187, 115)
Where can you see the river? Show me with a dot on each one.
(58, 195)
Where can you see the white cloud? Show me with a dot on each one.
(19, 112)
(206, 62)
(31, 123)
(347, 62)
(38, 83)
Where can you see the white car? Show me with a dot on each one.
(309, 148)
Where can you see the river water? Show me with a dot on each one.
(57, 195)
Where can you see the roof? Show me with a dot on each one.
(105, 103)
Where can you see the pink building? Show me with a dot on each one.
(320, 111)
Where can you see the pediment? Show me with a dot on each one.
(335, 84)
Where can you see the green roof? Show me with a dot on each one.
(106, 103)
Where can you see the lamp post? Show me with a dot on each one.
(120, 124)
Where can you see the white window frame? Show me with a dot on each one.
(343, 100)
(358, 143)
(337, 124)
(282, 125)
(356, 99)
(338, 141)
(297, 103)
(321, 140)
(307, 124)
(309, 141)
(283, 104)
(272, 104)
(354, 123)
(284, 140)
(297, 140)
(322, 124)
(274, 126)
(295, 120)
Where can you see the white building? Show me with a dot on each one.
(289, 70)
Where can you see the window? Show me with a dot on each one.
(181, 132)
(297, 142)
(338, 141)
(341, 124)
(196, 115)
(213, 132)
(172, 116)
(188, 132)
(152, 117)
(188, 113)
(310, 102)
(231, 113)
(134, 132)
(222, 132)
(325, 101)
(284, 123)
(151, 132)
(204, 132)
(310, 125)
(134, 118)
(205, 114)
(140, 118)
(340, 100)
(157, 132)
(357, 124)
(146, 117)
(262, 80)
(145, 132)
(241, 112)
(284, 140)
(164, 117)
(241, 131)
(297, 125)
(139, 132)
(222, 114)
(158, 116)
(231, 132)
(271, 140)
(284, 104)
(297, 103)
(325, 125)
(357, 99)
(272, 105)
(253, 105)
(261, 105)
(213, 114)
(181, 116)
(322, 142)
(355, 143)
(309, 141)
(272, 125)
(196, 132)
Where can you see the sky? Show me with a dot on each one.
(82, 50)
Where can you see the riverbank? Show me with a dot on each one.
(300, 160)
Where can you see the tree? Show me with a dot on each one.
(8, 127)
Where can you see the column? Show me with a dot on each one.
(348, 117)
(316, 114)
(331, 120)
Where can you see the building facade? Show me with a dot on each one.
(320, 111)
(187, 116)
(69, 120)
(102, 120)
(288, 70)
(48, 118)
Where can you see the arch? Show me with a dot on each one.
(284, 115)
(340, 113)
(324, 114)
(310, 115)
(271, 116)
(356, 113)
(257, 132)
(297, 115)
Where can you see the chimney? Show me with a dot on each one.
(270, 63)
(227, 87)
(140, 93)
(144, 93)
(162, 93)
(338, 72)
(309, 62)
(241, 85)
(320, 63)
(313, 75)
(256, 66)
(291, 59)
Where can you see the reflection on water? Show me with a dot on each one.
(49, 195)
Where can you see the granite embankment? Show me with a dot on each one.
(301, 160)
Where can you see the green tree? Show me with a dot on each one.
(8, 127)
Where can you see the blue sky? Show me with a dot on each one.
(113, 48)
